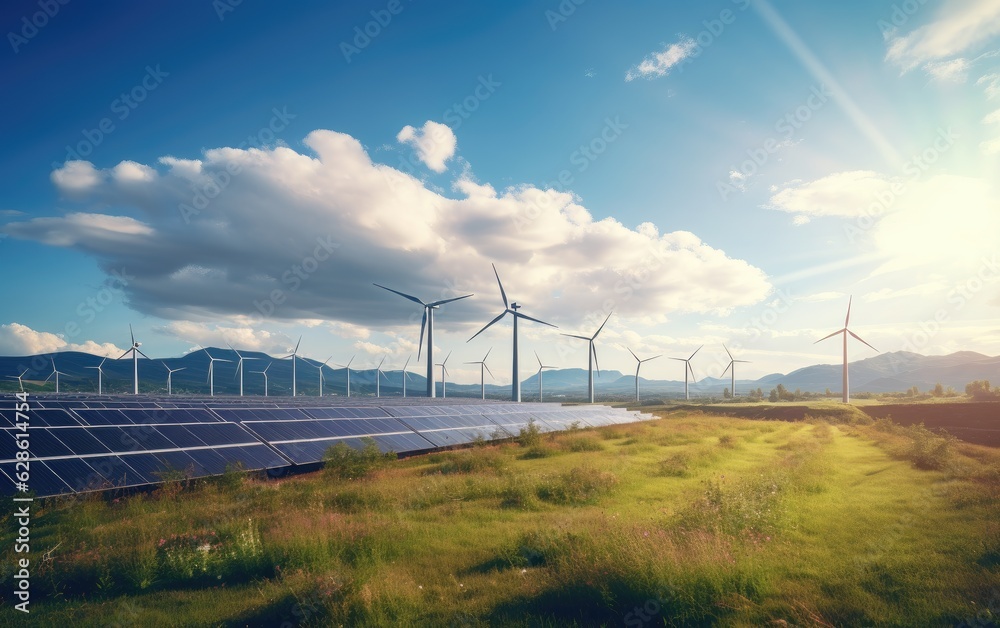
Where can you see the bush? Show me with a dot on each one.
(583, 443)
(530, 436)
(347, 463)
(471, 461)
(580, 485)
(927, 449)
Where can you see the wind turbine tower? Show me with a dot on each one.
(732, 370)
(444, 371)
(100, 376)
(591, 357)
(688, 369)
(170, 375)
(846, 331)
(483, 370)
(134, 350)
(541, 367)
(637, 367)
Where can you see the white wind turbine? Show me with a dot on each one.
(54, 372)
(591, 357)
(406, 375)
(100, 376)
(348, 367)
(846, 331)
(483, 370)
(134, 350)
(264, 373)
(239, 367)
(293, 355)
(378, 375)
(444, 371)
(426, 322)
(637, 367)
(320, 367)
(510, 308)
(541, 367)
(19, 378)
(170, 375)
(732, 369)
(211, 371)
(688, 369)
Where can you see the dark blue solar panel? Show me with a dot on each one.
(80, 441)
(211, 462)
(221, 433)
(44, 444)
(77, 473)
(101, 417)
(117, 472)
(180, 436)
(40, 479)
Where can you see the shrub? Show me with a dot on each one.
(530, 435)
(348, 463)
(580, 485)
(927, 449)
(583, 443)
(728, 441)
(471, 461)
(677, 465)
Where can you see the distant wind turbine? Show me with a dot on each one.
(732, 369)
(637, 367)
(320, 367)
(846, 331)
(134, 350)
(688, 369)
(100, 376)
(211, 371)
(348, 367)
(239, 367)
(293, 355)
(406, 375)
(19, 378)
(170, 375)
(444, 371)
(591, 357)
(510, 308)
(483, 370)
(541, 367)
(264, 373)
(378, 376)
(54, 372)
(426, 322)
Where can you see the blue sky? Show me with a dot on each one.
(711, 171)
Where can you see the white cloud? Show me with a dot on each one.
(18, 339)
(243, 338)
(953, 71)
(303, 236)
(845, 194)
(660, 63)
(961, 25)
(990, 84)
(820, 297)
(76, 178)
(435, 143)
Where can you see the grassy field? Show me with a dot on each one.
(691, 519)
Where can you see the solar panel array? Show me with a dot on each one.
(89, 443)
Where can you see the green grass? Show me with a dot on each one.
(688, 520)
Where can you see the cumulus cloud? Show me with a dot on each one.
(659, 63)
(277, 235)
(18, 339)
(243, 338)
(960, 25)
(76, 178)
(845, 194)
(434, 143)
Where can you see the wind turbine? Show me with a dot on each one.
(541, 367)
(293, 355)
(264, 373)
(100, 376)
(510, 308)
(444, 371)
(54, 372)
(320, 367)
(134, 350)
(211, 371)
(846, 331)
(239, 367)
(378, 375)
(348, 367)
(688, 369)
(732, 370)
(405, 375)
(19, 378)
(426, 322)
(170, 375)
(592, 358)
(637, 367)
(483, 369)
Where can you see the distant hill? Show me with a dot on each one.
(888, 372)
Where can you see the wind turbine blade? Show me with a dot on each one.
(743, 361)
(407, 362)
(180, 369)
(446, 359)
(536, 320)
(296, 351)
(142, 354)
(653, 358)
(423, 323)
(857, 337)
(503, 294)
(727, 352)
(402, 294)
(691, 370)
(679, 359)
(443, 301)
(488, 370)
(587, 338)
(539, 360)
(502, 314)
(594, 349)
(602, 325)
(102, 362)
(124, 354)
(847, 321)
(839, 331)
(727, 370)
(164, 366)
(488, 354)
(351, 360)
(131, 334)
(379, 367)
(695, 352)
(634, 355)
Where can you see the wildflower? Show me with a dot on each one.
(420, 586)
